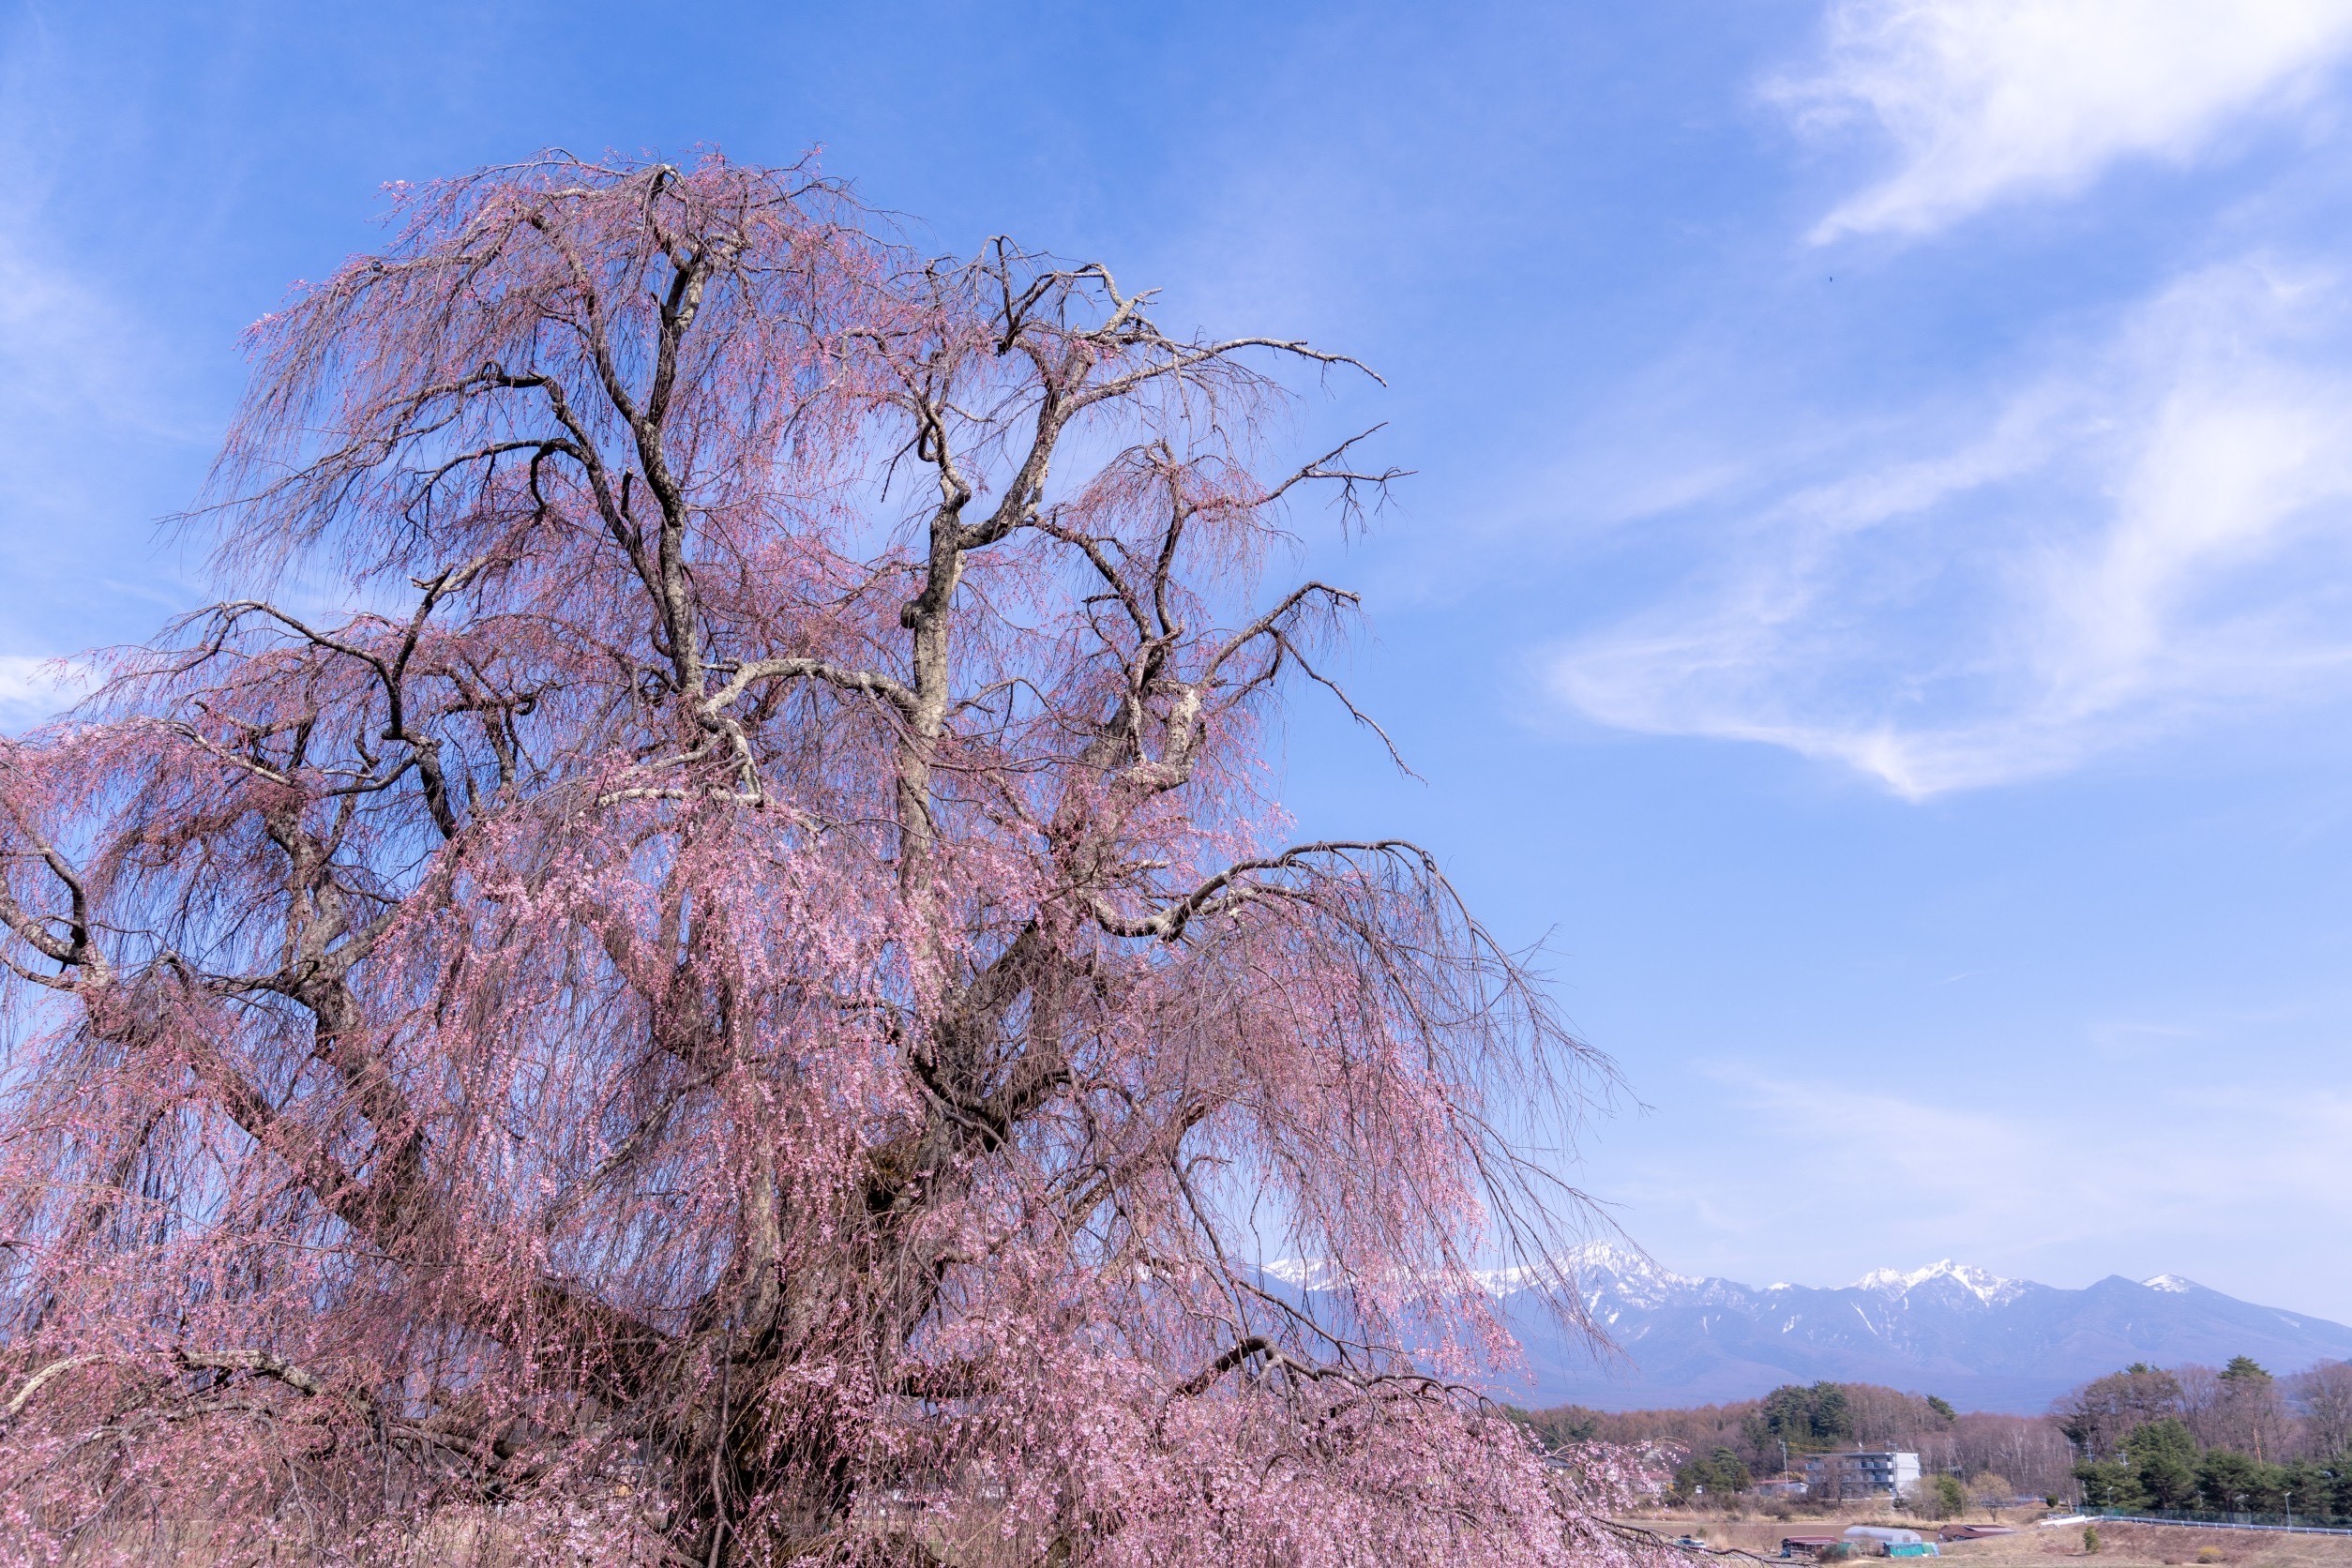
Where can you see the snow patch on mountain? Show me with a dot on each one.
(1968, 1334)
(1307, 1273)
(1611, 1278)
(1603, 1271)
(1985, 1286)
(1598, 1269)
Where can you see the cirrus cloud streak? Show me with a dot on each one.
(2145, 540)
(1989, 100)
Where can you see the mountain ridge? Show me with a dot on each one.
(1974, 1337)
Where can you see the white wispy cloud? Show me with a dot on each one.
(35, 689)
(76, 347)
(2028, 1188)
(1988, 100)
(2156, 534)
(2040, 1182)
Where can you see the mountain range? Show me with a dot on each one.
(1978, 1340)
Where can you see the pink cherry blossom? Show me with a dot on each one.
(737, 994)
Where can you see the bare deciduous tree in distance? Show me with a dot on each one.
(2098, 1416)
(2322, 1395)
(735, 1008)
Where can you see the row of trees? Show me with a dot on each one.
(1989, 1453)
(2028, 1451)
(2195, 1440)
(2162, 1466)
(2188, 1437)
(1794, 1419)
(1721, 1475)
(2239, 1406)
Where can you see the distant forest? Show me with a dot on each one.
(2195, 1439)
(2189, 1439)
(1728, 1447)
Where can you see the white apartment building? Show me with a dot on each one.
(1863, 1473)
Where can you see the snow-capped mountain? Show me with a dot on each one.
(1990, 1288)
(1979, 1340)
(1623, 1274)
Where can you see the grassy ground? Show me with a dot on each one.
(2120, 1545)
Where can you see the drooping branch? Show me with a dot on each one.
(722, 1014)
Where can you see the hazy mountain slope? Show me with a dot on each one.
(1980, 1341)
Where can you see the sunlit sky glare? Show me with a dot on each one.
(1876, 590)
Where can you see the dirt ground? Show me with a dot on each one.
(2120, 1545)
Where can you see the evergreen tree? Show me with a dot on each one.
(1720, 1474)
(2337, 1472)
(1809, 1419)
(2228, 1481)
(2163, 1458)
(2109, 1483)
(2313, 1487)
(1832, 1414)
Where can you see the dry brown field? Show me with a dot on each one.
(2120, 1545)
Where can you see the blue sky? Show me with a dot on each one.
(1876, 590)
